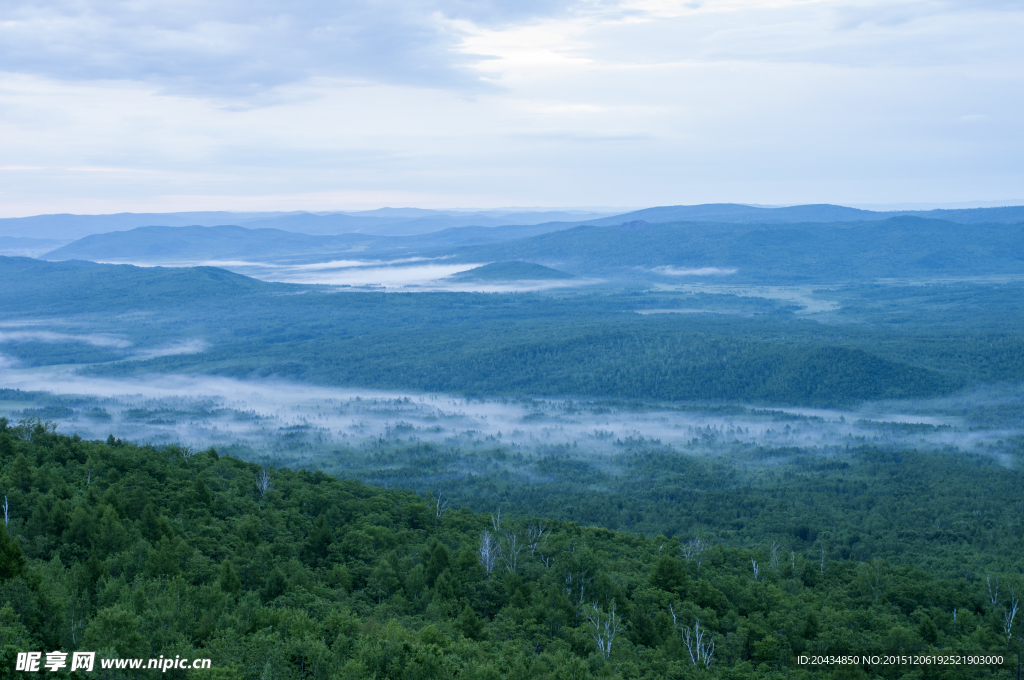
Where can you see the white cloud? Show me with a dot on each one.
(267, 105)
(694, 271)
(50, 337)
(224, 48)
(194, 346)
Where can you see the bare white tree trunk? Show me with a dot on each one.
(700, 645)
(7, 512)
(264, 484)
(757, 569)
(536, 536)
(993, 591)
(576, 582)
(510, 551)
(1011, 612)
(693, 550)
(441, 507)
(489, 552)
(603, 628)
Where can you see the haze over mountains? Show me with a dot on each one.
(385, 221)
(414, 221)
(898, 247)
(748, 214)
(734, 243)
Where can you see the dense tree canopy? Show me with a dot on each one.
(275, 573)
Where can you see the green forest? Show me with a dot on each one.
(824, 469)
(135, 551)
(898, 342)
(922, 508)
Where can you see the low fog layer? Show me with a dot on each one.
(414, 274)
(295, 424)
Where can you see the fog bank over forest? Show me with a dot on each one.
(302, 425)
(655, 372)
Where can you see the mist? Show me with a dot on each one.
(413, 274)
(299, 425)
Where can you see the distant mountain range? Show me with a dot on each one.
(385, 221)
(417, 221)
(197, 244)
(746, 214)
(156, 245)
(741, 243)
(388, 224)
(896, 247)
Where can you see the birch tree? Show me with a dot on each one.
(699, 645)
(693, 550)
(489, 552)
(603, 627)
(1011, 613)
(264, 484)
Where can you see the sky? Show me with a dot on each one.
(147, 105)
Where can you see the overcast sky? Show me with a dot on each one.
(149, 105)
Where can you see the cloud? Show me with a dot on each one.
(173, 349)
(669, 270)
(109, 106)
(271, 416)
(237, 47)
(96, 340)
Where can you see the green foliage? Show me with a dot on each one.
(12, 559)
(334, 579)
(951, 511)
(581, 344)
(228, 580)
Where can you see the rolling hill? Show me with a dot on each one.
(733, 213)
(384, 221)
(511, 271)
(196, 244)
(898, 247)
(411, 222)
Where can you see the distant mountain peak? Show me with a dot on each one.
(511, 271)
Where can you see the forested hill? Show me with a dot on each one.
(27, 284)
(899, 247)
(195, 244)
(794, 214)
(136, 552)
(466, 343)
(510, 271)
